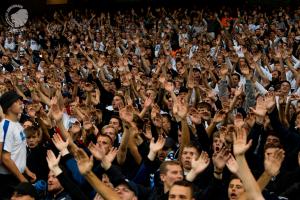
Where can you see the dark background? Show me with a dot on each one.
(40, 7)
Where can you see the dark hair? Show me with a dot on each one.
(204, 105)
(271, 145)
(31, 130)
(185, 183)
(194, 144)
(237, 75)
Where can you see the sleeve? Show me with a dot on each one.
(70, 163)
(260, 88)
(73, 189)
(250, 95)
(7, 136)
(266, 73)
(223, 88)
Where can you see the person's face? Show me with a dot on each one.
(17, 196)
(285, 87)
(235, 189)
(275, 75)
(220, 59)
(235, 81)
(33, 140)
(17, 107)
(206, 115)
(188, 154)
(115, 123)
(125, 193)
(179, 192)
(27, 124)
(110, 132)
(170, 103)
(54, 185)
(174, 173)
(273, 140)
(166, 124)
(242, 62)
(117, 102)
(104, 143)
(217, 144)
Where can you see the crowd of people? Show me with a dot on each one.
(151, 103)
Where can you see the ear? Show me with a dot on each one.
(162, 177)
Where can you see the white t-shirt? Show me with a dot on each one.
(14, 141)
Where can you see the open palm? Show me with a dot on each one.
(84, 163)
(240, 145)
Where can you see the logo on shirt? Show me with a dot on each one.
(16, 16)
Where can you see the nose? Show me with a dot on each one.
(180, 177)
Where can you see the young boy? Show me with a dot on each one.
(36, 153)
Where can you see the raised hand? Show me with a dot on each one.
(111, 155)
(219, 116)
(84, 163)
(158, 145)
(238, 91)
(260, 108)
(232, 165)
(182, 108)
(52, 160)
(55, 111)
(148, 102)
(126, 114)
(220, 158)
(238, 121)
(224, 70)
(269, 101)
(195, 117)
(200, 164)
(97, 151)
(273, 162)
(61, 145)
(240, 145)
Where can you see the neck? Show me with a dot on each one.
(166, 189)
(11, 117)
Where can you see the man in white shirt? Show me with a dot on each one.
(12, 145)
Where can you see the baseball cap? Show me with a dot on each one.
(26, 188)
(7, 99)
(130, 185)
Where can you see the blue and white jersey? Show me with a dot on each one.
(13, 140)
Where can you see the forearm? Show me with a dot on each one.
(263, 180)
(106, 192)
(11, 166)
(250, 185)
(121, 156)
(210, 129)
(186, 138)
(135, 152)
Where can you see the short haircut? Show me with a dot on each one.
(31, 130)
(237, 75)
(194, 144)
(204, 105)
(106, 136)
(163, 167)
(107, 126)
(185, 183)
